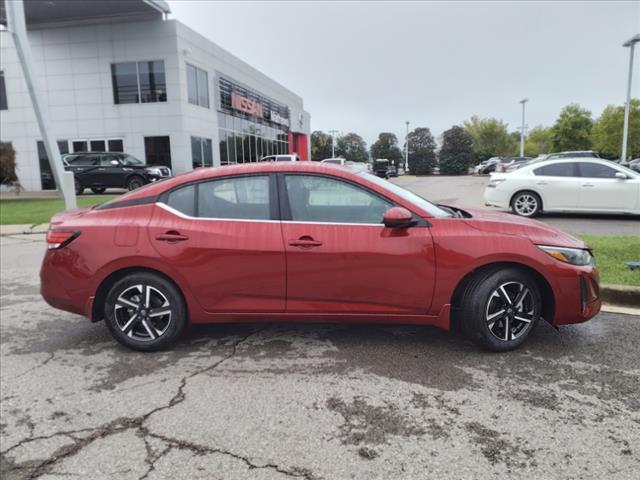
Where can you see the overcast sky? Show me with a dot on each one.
(367, 67)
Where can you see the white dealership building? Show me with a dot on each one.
(123, 76)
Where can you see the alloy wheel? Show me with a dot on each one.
(510, 311)
(525, 205)
(142, 312)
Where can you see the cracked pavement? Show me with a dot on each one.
(278, 401)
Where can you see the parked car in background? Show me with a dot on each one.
(281, 158)
(354, 166)
(516, 166)
(512, 162)
(291, 241)
(488, 166)
(392, 171)
(632, 164)
(380, 167)
(573, 154)
(566, 185)
(101, 170)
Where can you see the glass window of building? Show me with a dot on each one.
(3, 93)
(157, 151)
(47, 180)
(139, 82)
(201, 152)
(197, 86)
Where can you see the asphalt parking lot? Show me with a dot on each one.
(277, 401)
(467, 191)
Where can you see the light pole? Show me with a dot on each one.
(523, 101)
(625, 129)
(406, 152)
(333, 143)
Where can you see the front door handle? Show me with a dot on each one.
(541, 183)
(305, 242)
(171, 236)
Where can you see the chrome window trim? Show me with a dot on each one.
(178, 213)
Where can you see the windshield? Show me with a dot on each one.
(407, 195)
(131, 160)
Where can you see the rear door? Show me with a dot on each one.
(224, 238)
(340, 256)
(601, 190)
(558, 185)
(85, 168)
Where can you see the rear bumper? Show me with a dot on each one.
(494, 197)
(52, 287)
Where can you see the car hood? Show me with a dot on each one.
(507, 224)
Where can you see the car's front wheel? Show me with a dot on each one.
(135, 182)
(526, 204)
(145, 312)
(500, 308)
(98, 190)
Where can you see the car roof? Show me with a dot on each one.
(201, 174)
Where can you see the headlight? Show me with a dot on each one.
(574, 256)
(154, 171)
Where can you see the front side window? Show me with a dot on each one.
(197, 86)
(139, 82)
(237, 198)
(556, 170)
(596, 170)
(327, 200)
(131, 160)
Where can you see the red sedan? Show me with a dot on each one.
(309, 242)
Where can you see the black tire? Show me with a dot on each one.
(144, 327)
(98, 190)
(79, 187)
(526, 204)
(135, 182)
(482, 301)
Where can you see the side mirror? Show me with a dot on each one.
(621, 176)
(398, 217)
(115, 163)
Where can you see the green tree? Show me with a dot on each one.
(7, 164)
(352, 147)
(539, 141)
(606, 134)
(456, 154)
(320, 145)
(572, 130)
(387, 147)
(490, 138)
(422, 152)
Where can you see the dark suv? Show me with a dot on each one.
(101, 170)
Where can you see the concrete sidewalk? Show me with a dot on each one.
(23, 229)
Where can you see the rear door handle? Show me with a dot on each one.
(305, 242)
(171, 237)
(541, 183)
(588, 185)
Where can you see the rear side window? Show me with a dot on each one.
(183, 200)
(243, 198)
(596, 170)
(556, 170)
(84, 160)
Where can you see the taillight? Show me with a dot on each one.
(60, 238)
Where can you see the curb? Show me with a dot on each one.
(6, 230)
(620, 295)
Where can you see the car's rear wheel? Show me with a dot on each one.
(145, 312)
(98, 190)
(135, 182)
(79, 187)
(500, 308)
(526, 204)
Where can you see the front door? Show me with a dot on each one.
(223, 236)
(109, 175)
(342, 259)
(601, 190)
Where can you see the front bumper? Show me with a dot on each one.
(577, 296)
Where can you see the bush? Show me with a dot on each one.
(7, 164)
(456, 155)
